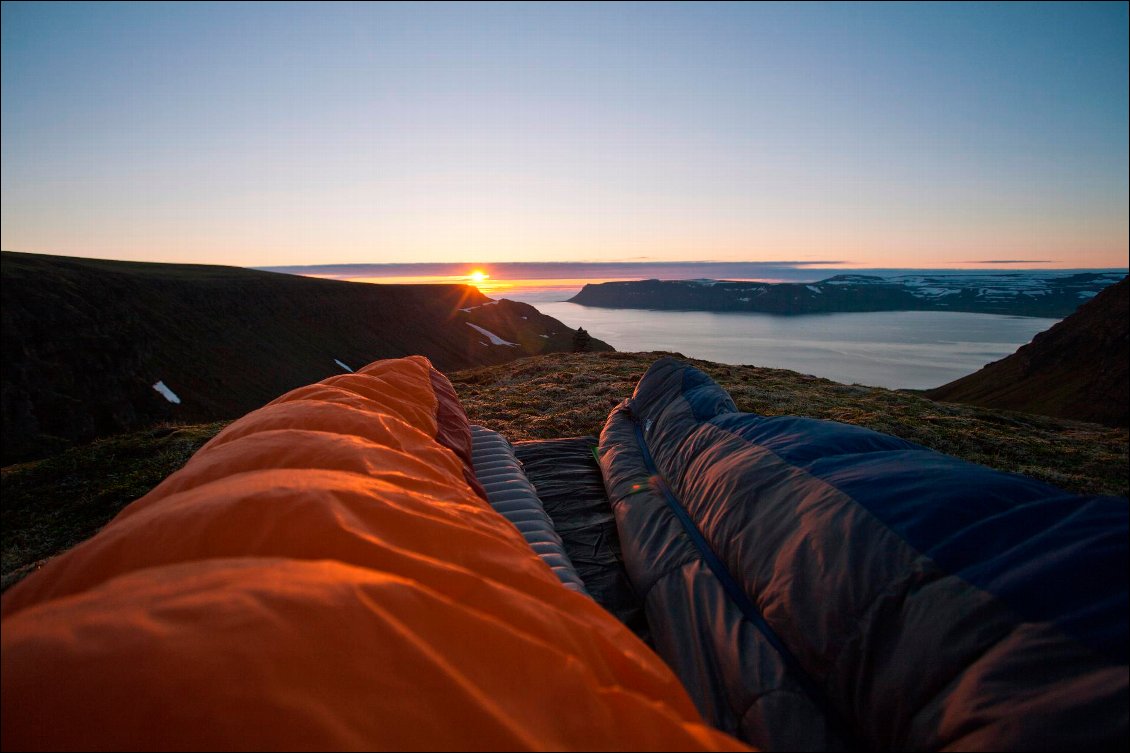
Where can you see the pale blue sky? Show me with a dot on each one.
(886, 135)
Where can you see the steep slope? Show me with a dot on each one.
(84, 341)
(1077, 369)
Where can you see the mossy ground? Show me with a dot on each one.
(52, 504)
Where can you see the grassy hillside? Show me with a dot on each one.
(52, 504)
(85, 340)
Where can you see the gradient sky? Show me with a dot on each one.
(886, 135)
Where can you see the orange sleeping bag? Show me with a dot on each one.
(324, 575)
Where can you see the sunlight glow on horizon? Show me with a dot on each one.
(887, 136)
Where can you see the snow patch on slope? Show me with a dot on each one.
(494, 339)
(166, 392)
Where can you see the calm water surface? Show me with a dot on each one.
(911, 349)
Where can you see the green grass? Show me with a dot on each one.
(52, 504)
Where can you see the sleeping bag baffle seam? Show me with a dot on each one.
(739, 597)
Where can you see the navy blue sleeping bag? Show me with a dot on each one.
(822, 586)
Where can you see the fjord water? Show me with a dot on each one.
(895, 349)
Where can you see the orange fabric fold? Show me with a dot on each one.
(321, 576)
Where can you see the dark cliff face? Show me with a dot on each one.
(1077, 369)
(1011, 293)
(84, 341)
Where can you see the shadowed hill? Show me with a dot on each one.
(1077, 369)
(85, 340)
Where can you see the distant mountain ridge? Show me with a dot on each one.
(1038, 294)
(84, 341)
(1077, 369)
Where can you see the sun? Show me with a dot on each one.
(478, 276)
